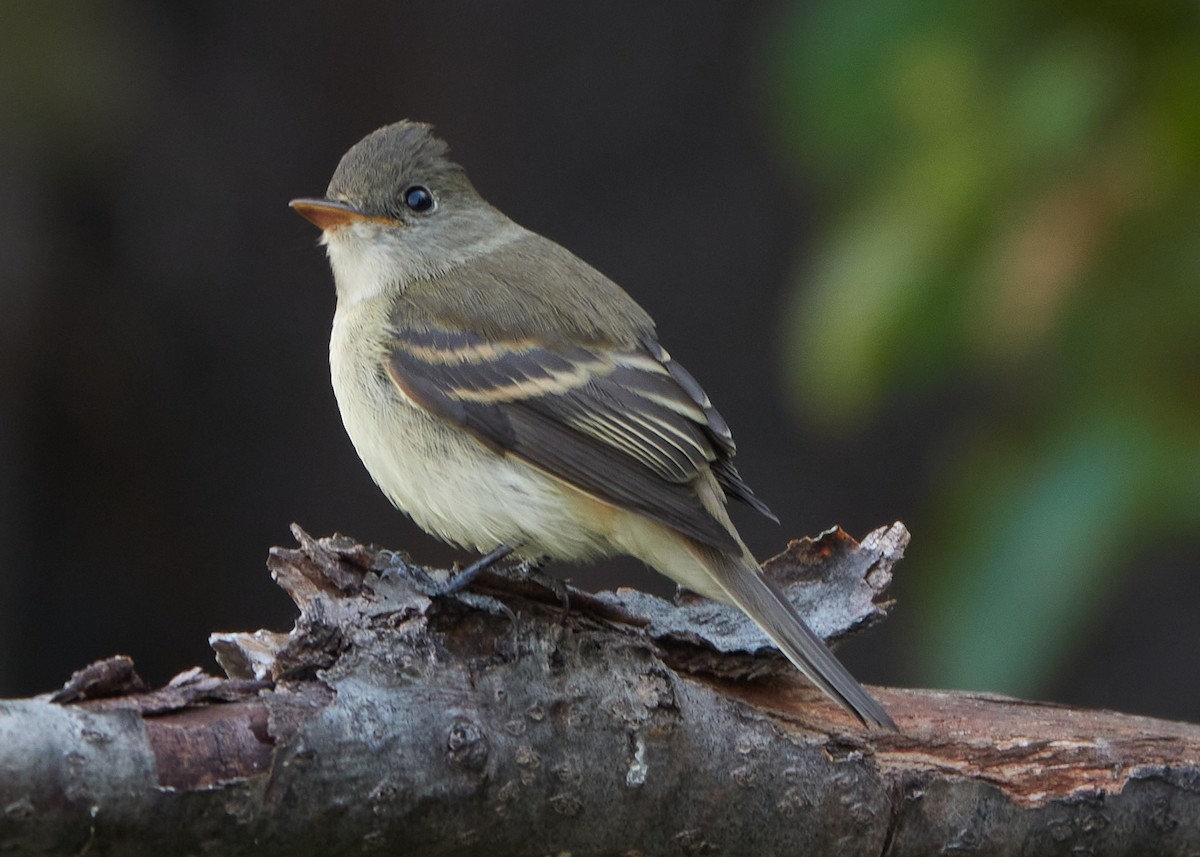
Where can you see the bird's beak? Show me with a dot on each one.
(329, 214)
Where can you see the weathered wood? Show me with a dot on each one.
(493, 723)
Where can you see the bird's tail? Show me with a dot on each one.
(748, 588)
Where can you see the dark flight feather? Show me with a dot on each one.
(629, 426)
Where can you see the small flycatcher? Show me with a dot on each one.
(511, 398)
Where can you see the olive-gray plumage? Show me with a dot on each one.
(502, 392)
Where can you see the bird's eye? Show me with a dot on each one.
(418, 198)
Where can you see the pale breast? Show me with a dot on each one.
(450, 484)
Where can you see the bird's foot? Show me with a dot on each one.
(531, 570)
(464, 578)
(527, 569)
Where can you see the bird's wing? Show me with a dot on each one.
(627, 425)
(727, 476)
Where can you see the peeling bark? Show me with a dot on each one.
(494, 723)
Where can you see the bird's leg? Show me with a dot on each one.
(463, 579)
(528, 569)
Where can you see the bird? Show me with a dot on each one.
(511, 399)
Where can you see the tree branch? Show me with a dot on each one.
(494, 723)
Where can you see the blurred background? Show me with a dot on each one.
(935, 262)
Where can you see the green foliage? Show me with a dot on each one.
(1014, 205)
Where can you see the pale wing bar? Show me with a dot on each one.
(620, 425)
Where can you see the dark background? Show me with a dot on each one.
(165, 409)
